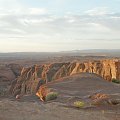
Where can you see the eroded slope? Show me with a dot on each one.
(31, 78)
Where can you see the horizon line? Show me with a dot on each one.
(56, 51)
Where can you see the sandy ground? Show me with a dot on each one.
(30, 107)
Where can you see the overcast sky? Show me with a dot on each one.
(59, 25)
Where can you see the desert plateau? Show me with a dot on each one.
(24, 87)
(59, 59)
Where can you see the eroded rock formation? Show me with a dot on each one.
(9, 72)
(31, 78)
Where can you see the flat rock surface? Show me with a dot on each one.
(78, 86)
(84, 84)
(15, 110)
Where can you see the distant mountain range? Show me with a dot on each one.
(93, 51)
(89, 52)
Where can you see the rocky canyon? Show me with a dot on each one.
(32, 77)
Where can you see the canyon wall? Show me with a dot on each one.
(9, 72)
(31, 78)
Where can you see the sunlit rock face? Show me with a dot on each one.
(31, 78)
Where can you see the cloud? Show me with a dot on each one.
(39, 25)
(41, 22)
(37, 11)
(99, 11)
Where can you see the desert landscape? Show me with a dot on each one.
(86, 87)
(59, 59)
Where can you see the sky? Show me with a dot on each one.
(59, 25)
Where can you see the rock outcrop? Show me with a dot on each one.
(31, 78)
(15, 68)
(9, 72)
(6, 74)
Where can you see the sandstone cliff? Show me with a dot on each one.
(31, 78)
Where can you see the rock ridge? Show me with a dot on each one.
(32, 77)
